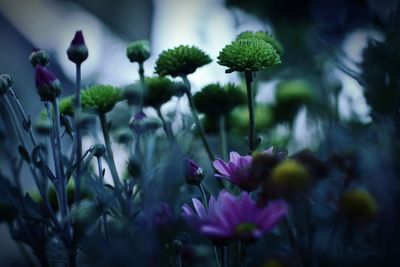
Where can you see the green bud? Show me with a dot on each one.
(39, 57)
(181, 61)
(98, 150)
(289, 177)
(138, 51)
(359, 206)
(124, 136)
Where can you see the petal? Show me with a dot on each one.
(270, 216)
(214, 231)
(198, 206)
(234, 156)
(187, 211)
(268, 151)
(222, 167)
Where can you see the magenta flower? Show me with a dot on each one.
(47, 85)
(234, 218)
(236, 171)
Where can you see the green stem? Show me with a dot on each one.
(78, 137)
(141, 75)
(110, 155)
(251, 105)
(203, 196)
(242, 254)
(222, 135)
(166, 129)
(197, 120)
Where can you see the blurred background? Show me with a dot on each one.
(327, 43)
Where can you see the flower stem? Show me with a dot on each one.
(222, 135)
(141, 75)
(203, 196)
(104, 216)
(78, 137)
(166, 128)
(242, 254)
(110, 155)
(251, 105)
(196, 119)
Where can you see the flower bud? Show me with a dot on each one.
(194, 173)
(124, 136)
(39, 57)
(289, 177)
(6, 82)
(98, 150)
(358, 205)
(134, 167)
(47, 85)
(77, 51)
(138, 51)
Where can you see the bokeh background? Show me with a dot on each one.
(323, 43)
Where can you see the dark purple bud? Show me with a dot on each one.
(194, 173)
(77, 51)
(47, 85)
(39, 57)
(163, 216)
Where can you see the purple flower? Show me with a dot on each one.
(236, 170)
(194, 173)
(233, 218)
(47, 85)
(77, 51)
(163, 216)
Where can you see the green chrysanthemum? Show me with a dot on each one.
(264, 118)
(263, 36)
(101, 98)
(66, 106)
(181, 60)
(158, 91)
(138, 51)
(217, 100)
(250, 54)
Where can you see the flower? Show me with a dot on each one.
(264, 118)
(194, 173)
(234, 218)
(181, 60)
(101, 98)
(47, 85)
(158, 91)
(6, 82)
(263, 36)
(236, 171)
(217, 100)
(163, 216)
(250, 54)
(77, 51)
(138, 51)
(39, 57)
(358, 205)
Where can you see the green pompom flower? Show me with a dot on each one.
(263, 36)
(181, 61)
(66, 106)
(264, 118)
(217, 100)
(158, 91)
(138, 51)
(101, 98)
(250, 54)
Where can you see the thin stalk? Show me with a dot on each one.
(59, 169)
(78, 137)
(110, 155)
(141, 75)
(242, 254)
(292, 239)
(166, 129)
(216, 256)
(251, 105)
(179, 260)
(104, 216)
(203, 196)
(197, 120)
(222, 136)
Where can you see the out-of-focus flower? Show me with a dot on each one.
(163, 216)
(67, 106)
(123, 136)
(263, 36)
(358, 205)
(77, 51)
(158, 91)
(217, 100)
(43, 126)
(194, 173)
(289, 177)
(181, 61)
(236, 171)
(98, 150)
(274, 263)
(249, 54)
(101, 98)
(234, 218)
(138, 51)
(47, 85)
(264, 118)
(39, 57)
(6, 82)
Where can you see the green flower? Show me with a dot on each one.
(216, 100)
(290, 95)
(358, 205)
(263, 36)
(264, 118)
(138, 51)
(250, 54)
(101, 98)
(66, 106)
(158, 91)
(181, 60)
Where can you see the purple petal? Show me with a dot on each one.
(234, 156)
(78, 39)
(222, 167)
(198, 206)
(213, 231)
(272, 215)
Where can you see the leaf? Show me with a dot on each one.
(24, 153)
